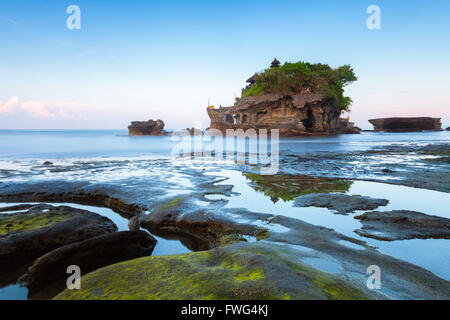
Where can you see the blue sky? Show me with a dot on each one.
(136, 60)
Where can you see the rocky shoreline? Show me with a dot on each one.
(240, 253)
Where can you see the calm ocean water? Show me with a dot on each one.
(65, 144)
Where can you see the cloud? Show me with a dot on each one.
(37, 109)
(10, 105)
(46, 110)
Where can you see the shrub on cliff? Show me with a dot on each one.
(292, 78)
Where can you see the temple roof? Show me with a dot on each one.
(275, 63)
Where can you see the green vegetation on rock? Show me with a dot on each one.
(292, 78)
(31, 221)
(243, 271)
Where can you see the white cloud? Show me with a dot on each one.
(46, 110)
(10, 105)
(37, 108)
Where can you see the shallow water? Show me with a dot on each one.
(431, 254)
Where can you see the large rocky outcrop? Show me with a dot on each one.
(146, 128)
(406, 124)
(293, 115)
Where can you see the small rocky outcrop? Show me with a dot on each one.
(448, 129)
(340, 203)
(402, 225)
(406, 124)
(89, 255)
(146, 128)
(25, 237)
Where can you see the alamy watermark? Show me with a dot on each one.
(374, 20)
(74, 280)
(374, 279)
(250, 147)
(73, 22)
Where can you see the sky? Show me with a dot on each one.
(140, 60)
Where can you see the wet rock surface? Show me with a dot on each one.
(402, 225)
(340, 203)
(418, 166)
(26, 236)
(256, 271)
(248, 271)
(88, 255)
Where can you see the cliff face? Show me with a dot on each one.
(294, 115)
(406, 124)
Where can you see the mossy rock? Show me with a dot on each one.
(27, 236)
(31, 221)
(241, 271)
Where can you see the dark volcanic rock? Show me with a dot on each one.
(89, 255)
(27, 236)
(341, 203)
(448, 129)
(146, 128)
(402, 225)
(406, 124)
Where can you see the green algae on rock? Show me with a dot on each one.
(242, 271)
(43, 228)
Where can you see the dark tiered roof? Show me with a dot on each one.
(275, 63)
(251, 80)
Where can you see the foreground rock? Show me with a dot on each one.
(341, 203)
(406, 124)
(146, 128)
(402, 225)
(27, 236)
(89, 255)
(222, 273)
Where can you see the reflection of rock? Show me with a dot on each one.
(146, 128)
(296, 115)
(26, 236)
(341, 203)
(89, 255)
(406, 124)
(288, 187)
(403, 224)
